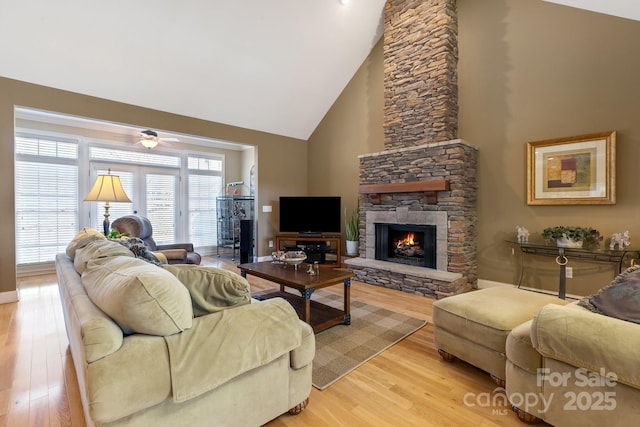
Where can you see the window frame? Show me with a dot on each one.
(85, 165)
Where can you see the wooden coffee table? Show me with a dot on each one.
(319, 316)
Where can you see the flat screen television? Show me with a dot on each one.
(310, 214)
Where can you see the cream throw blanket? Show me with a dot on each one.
(222, 345)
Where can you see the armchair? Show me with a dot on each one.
(139, 226)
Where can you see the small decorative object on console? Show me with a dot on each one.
(622, 240)
(277, 257)
(311, 270)
(294, 258)
(523, 234)
(572, 236)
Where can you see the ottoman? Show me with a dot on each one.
(474, 326)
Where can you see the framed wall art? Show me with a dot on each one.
(577, 170)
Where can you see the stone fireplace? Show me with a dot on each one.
(408, 244)
(425, 179)
(407, 199)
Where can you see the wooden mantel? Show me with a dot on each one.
(429, 187)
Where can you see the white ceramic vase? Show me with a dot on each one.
(352, 247)
(564, 242)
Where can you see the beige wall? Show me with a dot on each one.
(528, 70)
(353, 126)
(270, 150)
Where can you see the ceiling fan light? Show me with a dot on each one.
(149, 143)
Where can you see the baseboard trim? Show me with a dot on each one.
(483, 284)
(8, 297)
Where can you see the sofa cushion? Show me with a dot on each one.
(212, 289)
(140, 297)
(81, 239)
(246, 337)
(620, 299)
(99, 248)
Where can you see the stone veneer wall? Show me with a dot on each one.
(420, 72)
(455, 161)
(420, 131)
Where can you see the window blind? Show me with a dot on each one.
(46, 198)
(203, 190)
(161, 206)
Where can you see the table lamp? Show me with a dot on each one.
(107, 188)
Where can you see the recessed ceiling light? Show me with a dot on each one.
(344, 2)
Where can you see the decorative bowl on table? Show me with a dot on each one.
(294, 258)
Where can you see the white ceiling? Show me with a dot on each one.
(621, 8)
(275, 66)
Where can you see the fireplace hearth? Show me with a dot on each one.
(406, 244)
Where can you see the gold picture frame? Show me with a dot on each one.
(578, 170)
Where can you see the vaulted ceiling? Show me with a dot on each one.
(270, 65)
(275, 66)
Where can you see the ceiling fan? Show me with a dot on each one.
(149, 139)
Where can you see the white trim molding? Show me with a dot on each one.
(7, 297)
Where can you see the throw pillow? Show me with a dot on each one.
(620, 299)
(212, 289)
(139, 249)
(138, 296)
(82, 239)
(99, 248)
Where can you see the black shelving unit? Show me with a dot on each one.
(231, 210)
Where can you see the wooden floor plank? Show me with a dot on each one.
(408, 384)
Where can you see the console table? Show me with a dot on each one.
(316, 247)
(562, 255)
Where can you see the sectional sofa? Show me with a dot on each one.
(177, 345)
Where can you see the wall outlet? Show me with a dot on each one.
(270, 243)
(568, 272)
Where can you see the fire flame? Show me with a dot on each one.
(407, 241)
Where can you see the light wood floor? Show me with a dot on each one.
(406, 385)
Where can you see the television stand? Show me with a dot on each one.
(325, 249)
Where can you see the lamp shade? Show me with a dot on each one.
(107, 188)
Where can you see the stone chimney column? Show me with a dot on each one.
(420, 72)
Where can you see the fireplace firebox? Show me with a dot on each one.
(406, 244)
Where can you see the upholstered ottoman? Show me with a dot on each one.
(474, 326)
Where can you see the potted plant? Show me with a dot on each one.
(572, 236)
(352, 230)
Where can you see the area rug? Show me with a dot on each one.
(342, 348)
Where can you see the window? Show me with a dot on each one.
(46, 189)
(205, 184)
(53, 174)
(161, 206)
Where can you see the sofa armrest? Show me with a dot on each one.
(588, 340)
(303, 355)
(188, 247)
(173, 253)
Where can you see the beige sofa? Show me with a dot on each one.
(572, 367)
(149, 361)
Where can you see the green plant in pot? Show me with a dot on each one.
(572, 236)
(352, 230)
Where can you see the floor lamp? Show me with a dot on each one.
(107, 188)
